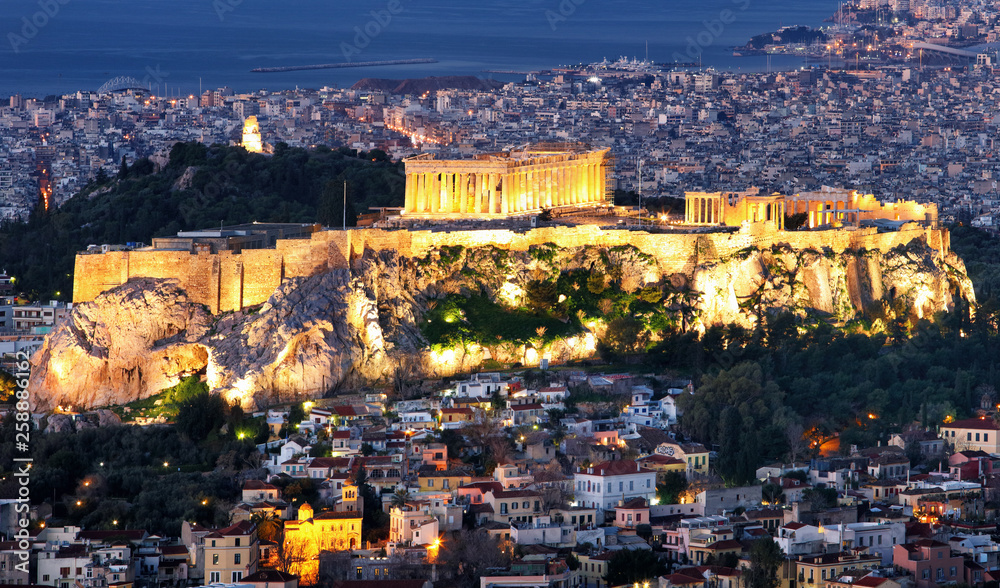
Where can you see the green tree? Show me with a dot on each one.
(668, 491)
(296, 414)
(765, 558)
(468, 555)
(201, 415)
(629, 566)
(626, 335)
(541, 296)
(269, 526)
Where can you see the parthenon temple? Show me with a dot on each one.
(826, 207)
(508, 183)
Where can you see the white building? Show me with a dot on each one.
(542, 531)
(879, 538)
(413, 524)
(603, 485)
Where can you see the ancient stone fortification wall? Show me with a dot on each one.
(227, 281)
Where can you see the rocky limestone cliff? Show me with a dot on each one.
(348, 326)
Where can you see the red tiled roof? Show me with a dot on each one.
(240, 528)
(984, 424)
(258, 485)
(532, 406)
(330, 462)
(615, 468)
(870, 581)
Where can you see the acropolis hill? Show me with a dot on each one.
(341, 307)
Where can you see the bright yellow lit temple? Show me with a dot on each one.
(251, 135)
(826, 207)
(509, 183)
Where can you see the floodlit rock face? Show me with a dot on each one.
(358, 324)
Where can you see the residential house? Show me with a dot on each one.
(255, 491)
(930, 444)
(978, 434)
(818, 569)
(694, 455)
(889, 466)
(930, 562)
(527, 414)
(514, 505)
(632, 513)
(231, 553)
(970, 465)
(413, 524)
(456, 418)
(602, 485)
(446, 480)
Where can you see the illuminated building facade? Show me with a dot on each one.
(311, 534)
(831, 207)
(507, 183)
(251, 135)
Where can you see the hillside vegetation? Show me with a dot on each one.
(200, 187)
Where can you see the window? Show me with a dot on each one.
(621, 486)
(237, 576)
(237, 542)
(986, 436)
(968, 436)
(359, 571)
(213, 542)
(977, 436)
(45, 577)
(430, 483)
(215, 559)
(630, 483)
(236, 558)
(213, 577)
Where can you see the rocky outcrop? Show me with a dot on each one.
(345, 326)
(833, 287)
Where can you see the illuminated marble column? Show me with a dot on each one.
(408, 202)
(463, 193)
(421, 192)
(506, 195)
(562, 187)
(492, 191)
(596, 189)
(546, 189)
(522, 190)
(477, 193)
